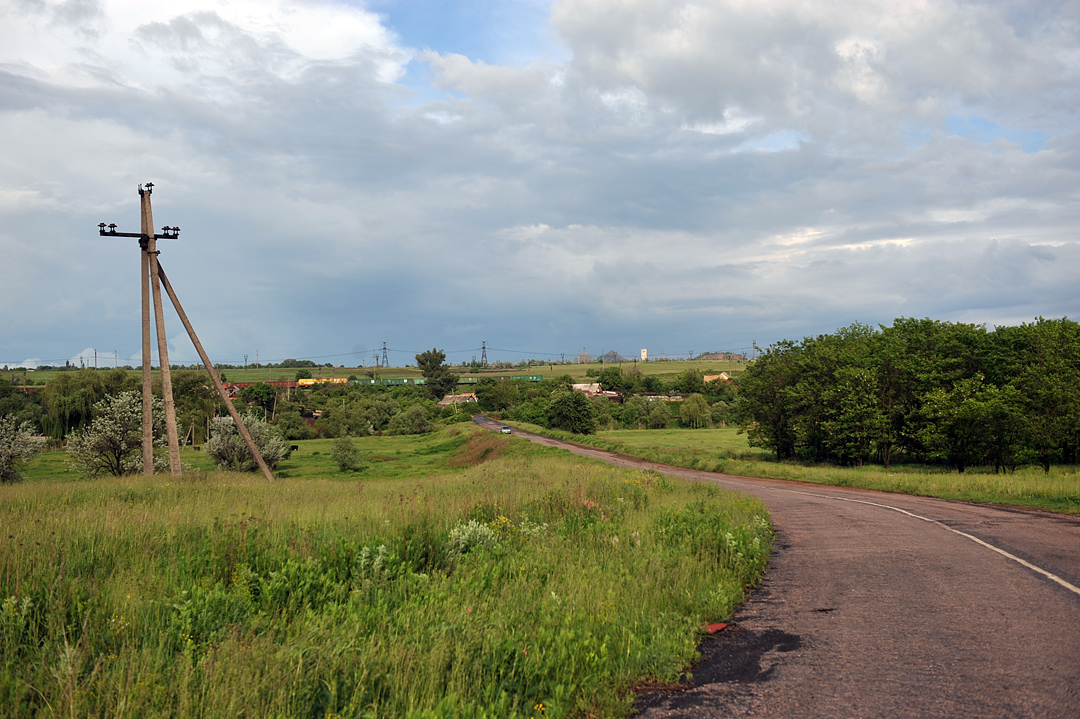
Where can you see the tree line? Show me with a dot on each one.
(920, 390)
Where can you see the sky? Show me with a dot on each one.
(542, 177)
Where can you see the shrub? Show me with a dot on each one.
(345, 455)
(470, 536)
(414, 420)
(230, 450)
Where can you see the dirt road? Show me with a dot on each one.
(886, 605)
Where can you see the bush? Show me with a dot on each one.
(414, 420)
(470, 536)
(571, 412)
(18, 442)
(231, 452)
(345, 455)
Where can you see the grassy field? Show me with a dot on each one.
(726, 450)
(460, 574)
(667, 370)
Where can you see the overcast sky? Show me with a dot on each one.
(545, 177)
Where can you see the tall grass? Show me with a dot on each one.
(530, 584)
(725, 450)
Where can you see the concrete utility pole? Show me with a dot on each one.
(152, 278)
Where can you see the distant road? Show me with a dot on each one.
(887, 605)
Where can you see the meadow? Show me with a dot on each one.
(460, 573)
(666, 370)
(727, 450)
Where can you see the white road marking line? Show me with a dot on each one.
(1071, 587)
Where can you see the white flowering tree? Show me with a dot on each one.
(18, 442)
(112, 442)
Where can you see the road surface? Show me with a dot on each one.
(887, 605)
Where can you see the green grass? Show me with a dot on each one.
(326, 594)
(726, 450)
(666, 370)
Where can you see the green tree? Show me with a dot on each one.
(260, 394)
(414, 420)
(635, 412)
(497, 395)
(612, 379)
(690, 381)
(440, 380)
(290, 422)
(956, 421)
(856, 425)
(196, 400)
(659, 415)
(1049, 382)
(694, 411)
(602, 411)
(571, 412)
(18, 442)
(112, 442)
(766, 399)
(723, 413)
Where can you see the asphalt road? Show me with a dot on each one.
(887, 605)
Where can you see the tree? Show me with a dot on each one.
(230, 450)
(414, 420)
(659, 415)
(290, 422)
(303, 374)
(112, 442)
(955, 430)
(571, 412)
(260, 394)
(695, 411)
(635, 412)
(196, 400)
(690, 381)
(18, 442)
(856, 426)
(440, 380)
(765, 396)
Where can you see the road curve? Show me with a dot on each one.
(888, 605)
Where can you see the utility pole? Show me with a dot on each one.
(152, 278)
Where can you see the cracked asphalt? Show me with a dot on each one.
(887, 605)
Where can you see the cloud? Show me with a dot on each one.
(687, 173)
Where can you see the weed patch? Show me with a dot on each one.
(528, 580)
